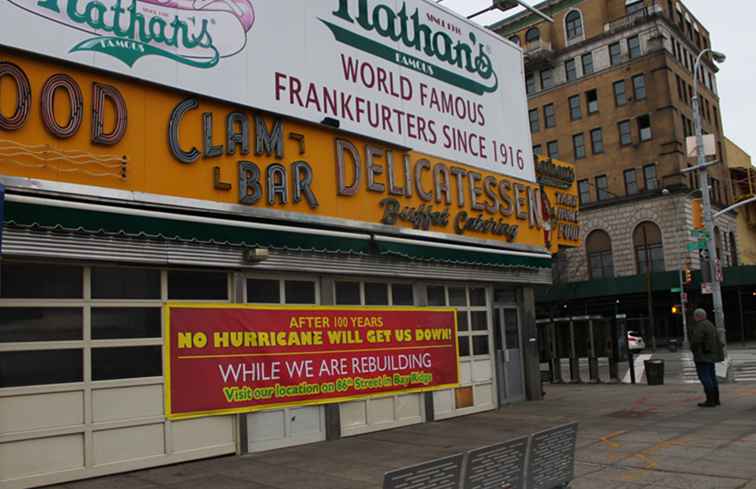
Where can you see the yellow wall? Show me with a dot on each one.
(746, 233)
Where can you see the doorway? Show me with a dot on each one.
(511, 386)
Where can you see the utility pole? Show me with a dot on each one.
(703, 177)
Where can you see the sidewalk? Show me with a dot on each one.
(631, 437)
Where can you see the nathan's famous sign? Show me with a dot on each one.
(230, 359)
(81, 128)
(406, 72)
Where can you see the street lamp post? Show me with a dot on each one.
(703, 176)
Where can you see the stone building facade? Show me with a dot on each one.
(610, 87)
(674, 216)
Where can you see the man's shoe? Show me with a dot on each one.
(716, 397)
(709, 400)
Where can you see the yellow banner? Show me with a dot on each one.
(69, 125)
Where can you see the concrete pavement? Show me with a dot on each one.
(630, 437)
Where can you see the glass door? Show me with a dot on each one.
(508, 355)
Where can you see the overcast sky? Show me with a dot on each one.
(729, 22)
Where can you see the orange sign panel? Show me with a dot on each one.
(69, 125)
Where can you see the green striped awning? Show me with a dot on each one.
(98, 219)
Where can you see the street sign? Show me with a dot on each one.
(675, 290)
(700, 233)
(710, 148)
(718, 267)
(698, 245)
(685, 297)
(706, 288)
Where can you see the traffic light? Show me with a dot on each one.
(697, 211)
(688, 277)
(676, 309)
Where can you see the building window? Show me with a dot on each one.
(587, 60)
(537, 150)
(633, 47)
(733, 250)
(681, 92)
(533, 35)
(649, 251)
(584, 190)
(631, 182)
(625, 134)
(530, 83)
(574, 25)
(546, 79)
(533, 116)
(649, 177)
(716, 191)
(644, 127)
(634, 7)
(591, 97)
(598, 246)
(552, 148)
(619, 93)
(602, 187)
(597, 141)
(639, 87)
(515, 39)
(570, 68)
(575, 112)
(549, 116)
(615, 53)
(578, 142)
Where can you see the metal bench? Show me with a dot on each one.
(442, 473)
(544, 460)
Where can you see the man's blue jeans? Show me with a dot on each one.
(707, 374)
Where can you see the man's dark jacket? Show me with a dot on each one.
(704, 342)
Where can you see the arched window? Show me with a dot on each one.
(733, 250)
(574, 25)
(598, 245)
(515, 39)
(533, 35)
(649, 250)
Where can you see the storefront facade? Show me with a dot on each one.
(123, 196)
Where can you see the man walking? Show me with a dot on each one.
(707, 351)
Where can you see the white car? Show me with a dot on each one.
(635, 342)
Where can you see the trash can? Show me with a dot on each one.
(654, 372)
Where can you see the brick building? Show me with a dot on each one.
(610, 87)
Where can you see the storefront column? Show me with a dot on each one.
(420, 293)
(529, 341)
(242, 439)
(332, 411)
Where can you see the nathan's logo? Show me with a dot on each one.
(413, 34)
(192, 32)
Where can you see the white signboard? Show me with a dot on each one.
(710, 146)
(405, 71)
